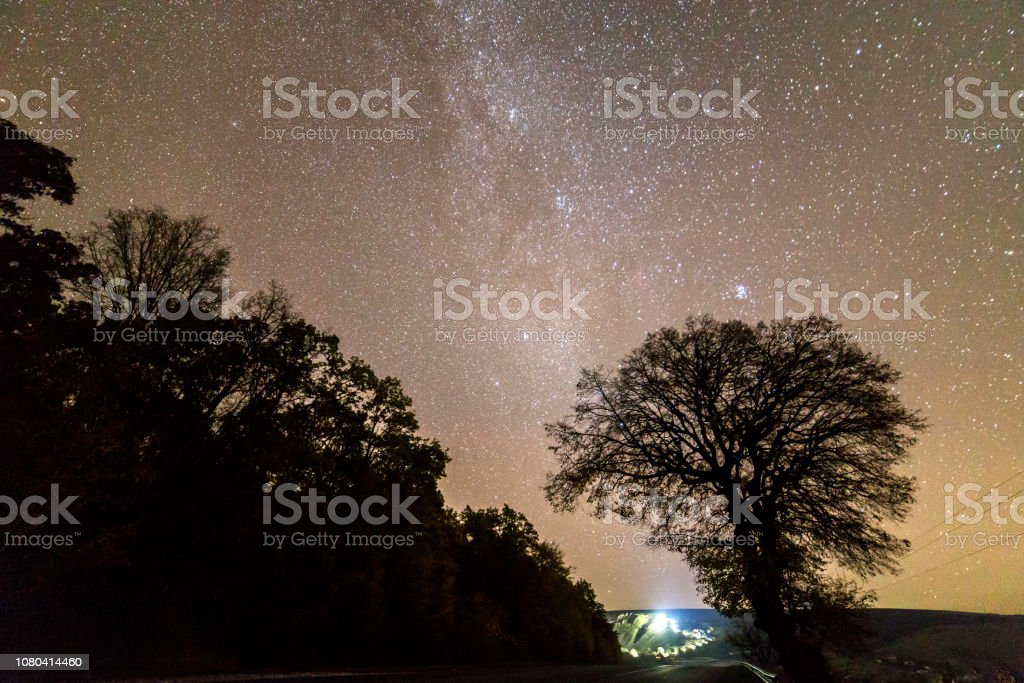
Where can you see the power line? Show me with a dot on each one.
(940, 566)
(934, 540)
(958, 524)
(929, 530)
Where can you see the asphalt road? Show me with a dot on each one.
(699, 672)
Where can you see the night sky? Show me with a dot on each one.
(515, 178)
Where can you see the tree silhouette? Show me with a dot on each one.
(168, 446)
(31, 169)
(513, 585)
(37, 320)
(148, 248)
(785, 434)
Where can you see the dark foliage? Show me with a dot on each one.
(792, 415)
(30, 169)
(168, 447)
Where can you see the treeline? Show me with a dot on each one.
(169, 446)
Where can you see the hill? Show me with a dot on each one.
(907, 646)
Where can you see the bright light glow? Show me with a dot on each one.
(661, 622)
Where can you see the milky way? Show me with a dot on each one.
(515, 177)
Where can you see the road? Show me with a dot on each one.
(692, 672)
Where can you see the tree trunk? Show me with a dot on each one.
(802, 662)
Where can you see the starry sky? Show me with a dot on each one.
(513, 176)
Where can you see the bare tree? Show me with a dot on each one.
(782, 439)
(147, 248)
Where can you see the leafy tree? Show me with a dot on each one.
(37, 321)
(40, 331)
(30, 169)
(168, 445)
(519, 598)
(787, 434)
(148, 248)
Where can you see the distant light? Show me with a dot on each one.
(661, 623)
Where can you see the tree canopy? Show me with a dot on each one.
(170, 447)
(787, 434)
